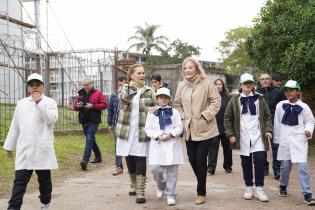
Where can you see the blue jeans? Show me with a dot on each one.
(302, 168)
(118, 159)
(275, 163)
(90, 130)
(259, 159)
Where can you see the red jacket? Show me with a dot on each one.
(94, 97)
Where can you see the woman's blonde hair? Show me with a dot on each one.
(132, 69)
(201, 72)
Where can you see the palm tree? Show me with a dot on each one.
(146, 39)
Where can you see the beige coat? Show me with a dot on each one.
(198, 102)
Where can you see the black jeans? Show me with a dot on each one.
(214, 150)
(259, 159)
(197, 152)
(22, 177)
(136, 165)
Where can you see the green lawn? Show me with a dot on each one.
(69, 150)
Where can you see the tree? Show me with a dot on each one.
(180, 50)
(146, 40)
(233, 53)
(282, 40)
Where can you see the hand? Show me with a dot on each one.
(164, 137)
(88, 106)
(37, 97)
(152, 109)
(232, 140)
(9, 153)
(110, 129)
(308, 134)
(268, 135)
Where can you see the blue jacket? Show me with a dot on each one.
(113, 109)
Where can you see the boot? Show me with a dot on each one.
(141, 180)
(133, 180)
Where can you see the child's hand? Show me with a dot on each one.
(9, 153)
(268, 135)
(164, 137)
(308, 134)
(232, 140)
(152, 109)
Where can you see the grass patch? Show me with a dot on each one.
(69, 151)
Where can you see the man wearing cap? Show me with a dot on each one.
(273, 96)
(293, 128)
(31, 135)
(90, 102)
(276, 80)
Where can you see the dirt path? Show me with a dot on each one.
(97, 189)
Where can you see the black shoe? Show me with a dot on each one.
(83, 165)
(283, 192)
(276, 176)
(211, 171)
(229, 170)
(309, 200)
(96, 160)
(140, 200)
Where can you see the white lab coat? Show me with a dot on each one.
(31, 134)
(168, 152)
(293, 144)
(250, 132)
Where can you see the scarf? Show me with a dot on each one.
(249, 102)
(136, 84)
(164, 115)
(291, 113)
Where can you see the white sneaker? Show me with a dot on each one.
(44, 207)
(248, 195)
(171, 201)
(260, 194)
(159, 193)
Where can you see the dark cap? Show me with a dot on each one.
(276, 77)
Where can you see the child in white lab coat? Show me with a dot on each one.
(164, 126)
(293, 127)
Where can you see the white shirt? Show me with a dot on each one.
(293, 144)
(250, 133)
(132, 146)
(167, 152)
(31, 134)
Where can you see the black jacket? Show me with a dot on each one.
(272, 95)
(220, 115)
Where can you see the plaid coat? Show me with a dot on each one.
(147, 99)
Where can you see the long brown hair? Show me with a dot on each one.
(132, 69)
(224, 88)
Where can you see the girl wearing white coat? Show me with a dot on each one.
(293, 127)
(164, 126)
(31, 135)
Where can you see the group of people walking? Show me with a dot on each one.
(146, 124)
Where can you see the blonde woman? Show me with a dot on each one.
(132, 141)
(198, 101)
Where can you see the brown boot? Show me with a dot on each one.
(133, 181)
(200, 199)
(141, 180)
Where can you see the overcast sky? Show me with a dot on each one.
(109, 23)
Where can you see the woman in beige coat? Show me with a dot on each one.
(198, 101)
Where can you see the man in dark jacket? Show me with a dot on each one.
(273, 96)
(113, 110)
(90, 102)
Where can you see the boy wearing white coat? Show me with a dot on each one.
(31, 135)
(293, 127)
(164, 126)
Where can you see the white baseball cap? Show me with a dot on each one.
(292, 84)
(163, 91)
(246, 78)
(35, 76)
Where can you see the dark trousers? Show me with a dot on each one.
(22, 177)
(197, 152)
(136, 165)
(214, 150)
(275, 163)
(90, 130)
(259, 159)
